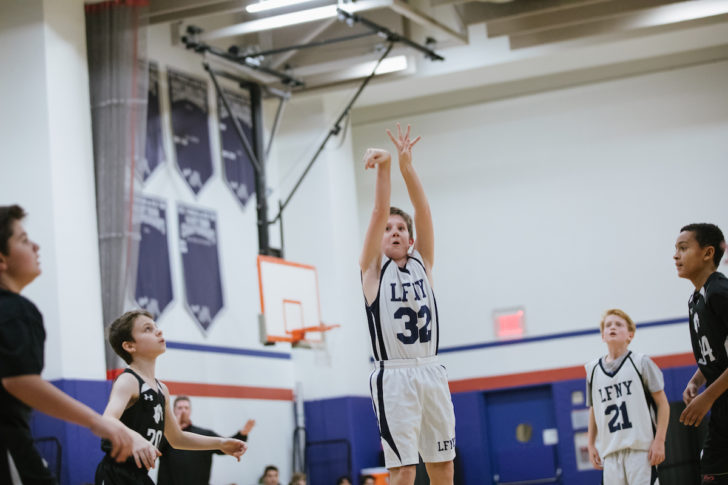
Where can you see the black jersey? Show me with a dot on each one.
(145, 416)
(709, 326)
(22, 337)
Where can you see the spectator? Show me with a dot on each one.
(298, 479)
(270, 476)
(367, 480)
(190, 467)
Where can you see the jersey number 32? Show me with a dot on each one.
(413, 332)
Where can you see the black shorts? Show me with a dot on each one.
(30, 465)
(111, 473)
(714, 460)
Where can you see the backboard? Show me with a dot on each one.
(289, 302)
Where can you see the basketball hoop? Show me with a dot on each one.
(298, 336)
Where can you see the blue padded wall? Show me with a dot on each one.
(81, 450)
(343, 418)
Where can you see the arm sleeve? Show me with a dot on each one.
(19, 351)
(652, 375)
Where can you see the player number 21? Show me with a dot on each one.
(423, 334)
(613, 424)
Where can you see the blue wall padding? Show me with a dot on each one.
(563, 406)
(81, 450)
(349, 418)
(470, 428)
(675, 381)
(352, 418)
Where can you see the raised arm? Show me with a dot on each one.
(425, 240)
(371, 253)
(183, 440)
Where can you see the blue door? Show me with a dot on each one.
(517, 420)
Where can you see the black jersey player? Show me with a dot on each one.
(141, 402)
(698, 251)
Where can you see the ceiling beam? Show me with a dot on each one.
(163, 12)
(281, 59)
(491, 10)
(328, 12)
(681, 15)
(568, 16)
(426, 21)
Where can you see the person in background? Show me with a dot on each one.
(190, 467)
(298, 479)
(367, 480)
(270, 476)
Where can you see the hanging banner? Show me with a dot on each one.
(200, 263)
(154, 278)
(239, 173)
(154, 151)
(188, 111)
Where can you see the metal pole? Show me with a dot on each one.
(274, 129)
(244, 139)
(256, 105)
(334, 129)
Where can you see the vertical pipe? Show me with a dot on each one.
(256, 104)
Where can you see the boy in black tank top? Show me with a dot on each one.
(22, 339)
(698, 251)
(141, 402)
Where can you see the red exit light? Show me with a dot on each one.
(509, 325)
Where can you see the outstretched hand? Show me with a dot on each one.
(234, 447)
(245, 431)
(404, 144)
(376, 156)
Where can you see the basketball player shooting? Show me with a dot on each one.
(409, 387)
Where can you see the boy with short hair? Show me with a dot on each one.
(410, 390)
(698, 251)
(22, 337)
(270, 475)
(623, 389)
(142, 403)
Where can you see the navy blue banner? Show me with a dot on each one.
(154, 151)
(154, 277)
(200, 263)
(188, 111)
(239, 173)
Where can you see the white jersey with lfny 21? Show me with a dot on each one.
(622, 407)
(403, 322)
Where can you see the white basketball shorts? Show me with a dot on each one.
(412, 402)
(628, 467)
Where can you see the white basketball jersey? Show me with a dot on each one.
(403, 321)
(621, 408)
